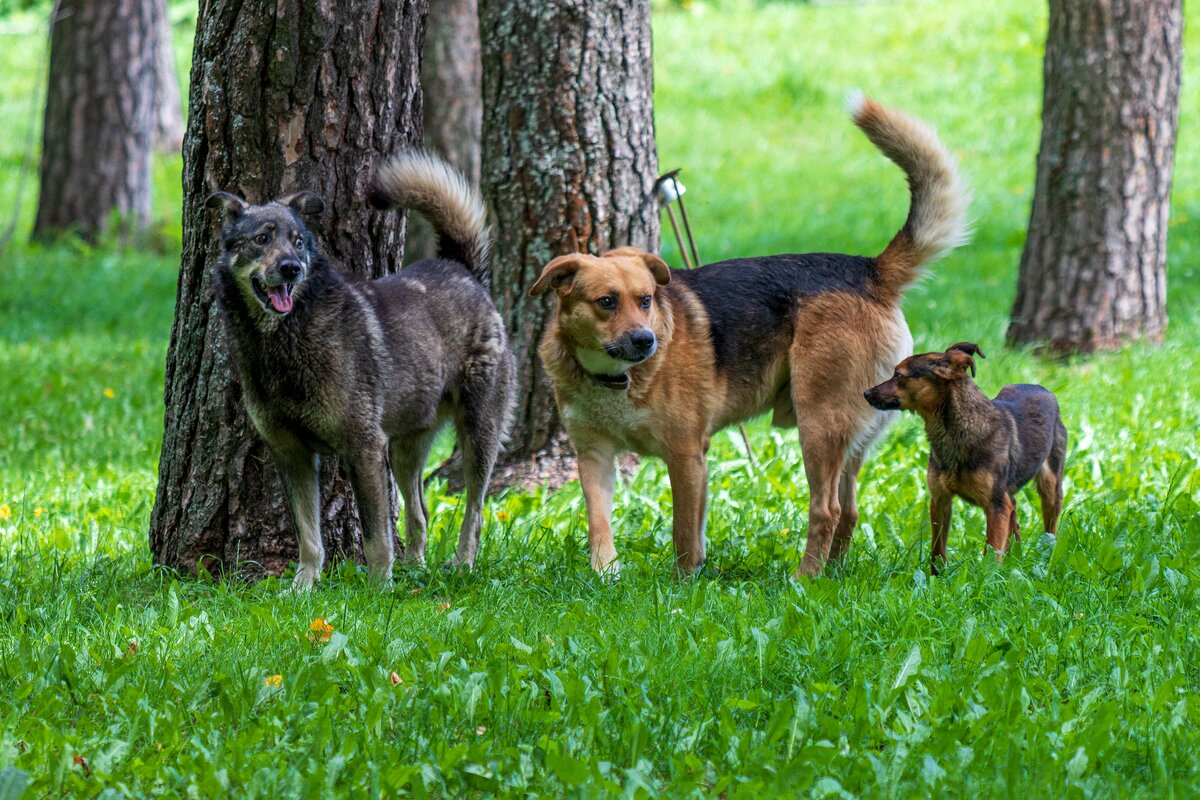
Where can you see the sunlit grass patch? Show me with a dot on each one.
(1069, 669)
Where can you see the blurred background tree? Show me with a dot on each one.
(450, 94)
(100, 116)
(168, 105)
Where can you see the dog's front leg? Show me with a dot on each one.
(597, 471)
(688, 472)
(941, 509)
(368, 473)
(999, 518)
(298, 468)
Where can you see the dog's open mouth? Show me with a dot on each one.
(274, 298)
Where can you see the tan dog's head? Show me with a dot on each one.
(920, 382)
(607, 306)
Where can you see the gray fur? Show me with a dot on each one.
(366, 370)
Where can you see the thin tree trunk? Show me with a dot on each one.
(1093, 272)
(168, 107)
(287, 95)
(99, 118)
(450, 86)
(568, 160)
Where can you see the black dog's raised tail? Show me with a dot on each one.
(937, 217)
(422, 181)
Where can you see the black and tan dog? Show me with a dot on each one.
(369, 370)
(655, 360)
(981, 450)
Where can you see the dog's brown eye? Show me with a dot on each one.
(646, 302)
(608, 302)
(262, 238)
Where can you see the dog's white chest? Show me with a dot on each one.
(600, 412)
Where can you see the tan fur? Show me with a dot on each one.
(677, 398)
(812, 375)
(937, 219)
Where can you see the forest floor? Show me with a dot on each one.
(1068, 670)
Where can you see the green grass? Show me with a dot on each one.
(1068, 672)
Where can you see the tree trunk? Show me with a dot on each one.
(568, 160)
(1093, 272)
(96, 142)
(168, 107)
(450, 87)
(287, 95)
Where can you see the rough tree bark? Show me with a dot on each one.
(168, 106)
(297, 93)
(1093, 272)
(96, 141)
(568, 161)
(450, 87)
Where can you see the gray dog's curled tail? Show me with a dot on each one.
(422, 181)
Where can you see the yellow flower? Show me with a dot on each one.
(37, 512)
(319, 630)
(5, 512)
(109, 393)
(502, 516)
(274, 681)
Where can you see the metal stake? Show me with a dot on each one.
(687, 226)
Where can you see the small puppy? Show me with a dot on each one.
(655, 360)
(368, 370)
(981, 450)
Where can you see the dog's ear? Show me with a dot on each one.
(958, 359)
(307, 203)
(658, 268)
(558, 272)
(970, 348)
(231, 204)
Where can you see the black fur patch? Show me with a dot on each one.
(751, 301)
(1035, 413)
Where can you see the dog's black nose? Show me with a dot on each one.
(289, 270)
(642, 340)
(867, 395)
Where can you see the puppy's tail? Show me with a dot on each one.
(422, 181)
(937, 217)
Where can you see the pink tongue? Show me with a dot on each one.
(281, 301)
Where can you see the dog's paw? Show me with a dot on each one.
(457, 564)
(305, 578)
(689, 571)
(605, 562)
(609, 571)
(807, 569)
(416, 560)
(380, 573)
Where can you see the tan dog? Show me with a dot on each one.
(655, 360)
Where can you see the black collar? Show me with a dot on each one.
(619, 382)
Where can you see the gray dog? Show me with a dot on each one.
(369, 370)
